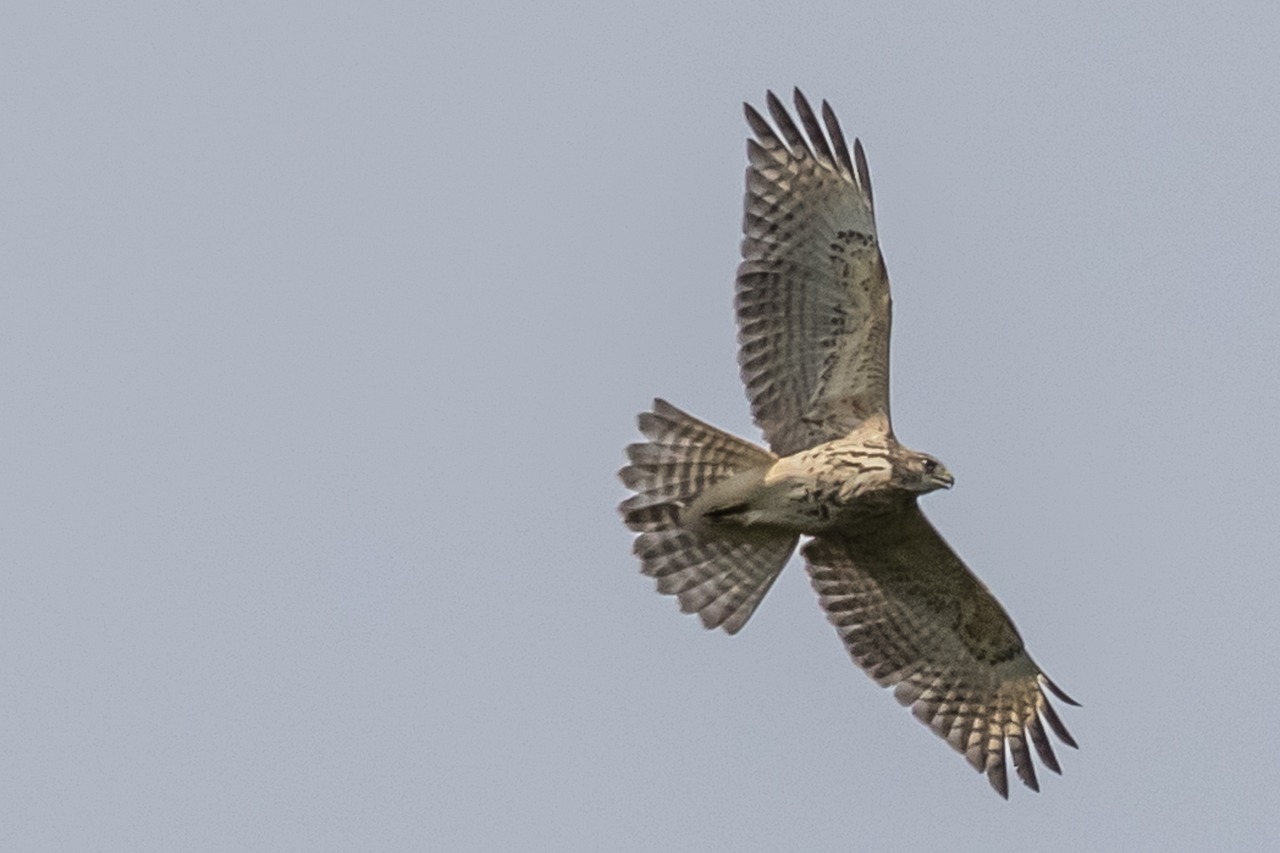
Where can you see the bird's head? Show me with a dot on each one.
(920, 473)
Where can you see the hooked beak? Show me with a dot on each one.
(944, 479)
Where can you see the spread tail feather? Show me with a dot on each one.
(720, 579)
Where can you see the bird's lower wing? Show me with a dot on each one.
(916, 619)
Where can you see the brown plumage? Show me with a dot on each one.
(719, 517)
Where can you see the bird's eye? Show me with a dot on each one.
(930, 466)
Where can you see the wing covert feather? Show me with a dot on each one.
(812, 294)
(914, 617)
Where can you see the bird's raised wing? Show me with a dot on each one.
(916, 619)
(812, 291)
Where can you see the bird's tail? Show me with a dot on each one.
(722, 579)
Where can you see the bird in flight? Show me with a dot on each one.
(718, 517)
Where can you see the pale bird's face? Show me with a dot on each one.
(921, 473)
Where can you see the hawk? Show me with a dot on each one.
(718, 517)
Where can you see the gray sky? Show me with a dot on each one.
(323, 328)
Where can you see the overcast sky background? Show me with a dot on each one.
(323, 327)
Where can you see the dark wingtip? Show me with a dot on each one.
(1022, 762)
(1035, 730)
(838, 141)
(1051, 717)
(999, 779)
(864, 173)
(1058, 691)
